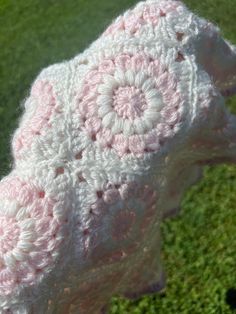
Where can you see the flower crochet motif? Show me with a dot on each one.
(124, 213)
(108, 143)
(130, 104)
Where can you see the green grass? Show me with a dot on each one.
(199, 245)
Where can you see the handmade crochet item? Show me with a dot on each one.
(107, 145)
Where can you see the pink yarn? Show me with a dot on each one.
(129, 102)
(36, 213)
(105, 103)
(9, 234)
(44, 98)
(134, 19)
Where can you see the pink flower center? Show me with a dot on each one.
(129, 102)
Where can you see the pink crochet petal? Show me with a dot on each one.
(93, 125)
(123, 61)
(133, 22)
(151, 14)
(156, 68)
(139, 62)
(137, 144)
(170, 6)
(107, 66)
(163, 132)
(93, 77)
(104, 137)
(120, 144)
(171, 115)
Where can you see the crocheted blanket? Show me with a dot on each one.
(107, 145)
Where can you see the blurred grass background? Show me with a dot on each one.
(199, 246)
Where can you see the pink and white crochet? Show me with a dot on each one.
(107, 145)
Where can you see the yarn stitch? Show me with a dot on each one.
(108, 143)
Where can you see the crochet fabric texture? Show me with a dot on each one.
(107, 145)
